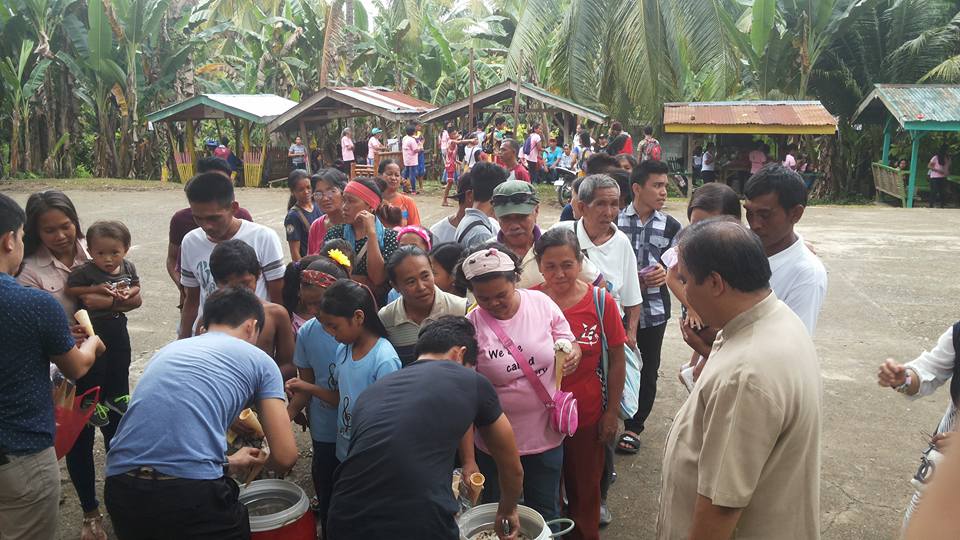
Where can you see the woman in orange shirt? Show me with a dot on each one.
(389, 170)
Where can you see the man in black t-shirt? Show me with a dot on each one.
(395, 482)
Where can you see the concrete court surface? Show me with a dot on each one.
(893, 285)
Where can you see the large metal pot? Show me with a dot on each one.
(480, 518)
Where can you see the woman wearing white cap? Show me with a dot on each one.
(374, 146)
(513, 322)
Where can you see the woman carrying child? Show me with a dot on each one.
(389, 171)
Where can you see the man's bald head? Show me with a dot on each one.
(725, 247)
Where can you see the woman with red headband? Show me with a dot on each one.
(514, 322)
(372, 242)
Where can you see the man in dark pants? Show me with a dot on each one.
(651, 232)
(167, 469)
(395, 482)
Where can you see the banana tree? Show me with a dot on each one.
(22, 76)
(135, 25)
(100, 78)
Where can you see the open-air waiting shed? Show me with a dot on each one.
(341, 102)
(774, 118)
(520, 95)
(918, 109)
(250, 109)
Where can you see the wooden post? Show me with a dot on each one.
(914, 152)
(473, 118)
(306, 143)
(190, 145)
(887, 136)
(516, 113)
(689, 168)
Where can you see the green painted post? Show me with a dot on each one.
(914, 152)
(887, 135)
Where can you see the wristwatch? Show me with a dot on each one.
(903, 388)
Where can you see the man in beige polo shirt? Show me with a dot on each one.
(742, 459)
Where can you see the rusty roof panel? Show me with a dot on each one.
(747, 113)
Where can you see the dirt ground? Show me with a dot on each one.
(892, 277)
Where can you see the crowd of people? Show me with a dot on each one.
(410, 351)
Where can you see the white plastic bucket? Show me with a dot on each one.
(480, 518)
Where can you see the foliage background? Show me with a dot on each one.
(77, 77)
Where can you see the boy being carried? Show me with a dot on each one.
(108, 286)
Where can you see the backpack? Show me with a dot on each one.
(526, 146)
(655, 151)
(471, 226)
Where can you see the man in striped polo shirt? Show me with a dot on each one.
(651, 232)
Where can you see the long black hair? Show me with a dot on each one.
(291, 283)
(293, 180)
(40, 203)
(345, 297)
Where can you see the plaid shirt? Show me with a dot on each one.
(649, 241)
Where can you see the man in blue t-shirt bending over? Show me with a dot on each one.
(167, 469)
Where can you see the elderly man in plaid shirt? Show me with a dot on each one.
(651, 232)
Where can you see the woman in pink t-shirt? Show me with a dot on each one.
(346, 148)
(328, 193)
(938, 169)
(534, 323)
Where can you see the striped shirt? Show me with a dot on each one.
(403, 332)
(650, 240)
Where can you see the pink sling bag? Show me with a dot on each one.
(562, 406)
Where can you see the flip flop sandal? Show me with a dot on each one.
(628, 444)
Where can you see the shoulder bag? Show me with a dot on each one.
(562, 406)
(629, 400)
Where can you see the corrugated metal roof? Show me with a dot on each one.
(507, 90)
(914, 103)
(258, 108)
(333, 102)
(765, 116)
(385, 99)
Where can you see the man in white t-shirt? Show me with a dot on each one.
(776, 199)
(212, 203)
(445, 230)
(607, 247)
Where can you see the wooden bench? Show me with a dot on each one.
(361, 170)
(892, 181)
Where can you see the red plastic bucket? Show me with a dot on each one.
(279, 510)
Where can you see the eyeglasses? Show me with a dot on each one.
(516, 198)
(330, 193)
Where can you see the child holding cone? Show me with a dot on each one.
(105, 287)
(315, 384)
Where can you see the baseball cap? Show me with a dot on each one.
(514, 197)
(374, 131)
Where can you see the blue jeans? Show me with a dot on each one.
(541, 480)
(410, 173)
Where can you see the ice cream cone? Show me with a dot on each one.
(250, 420)
(476, 487)
(83, 318)
(254, 472)
(562, 349)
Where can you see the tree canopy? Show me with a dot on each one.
(79, 76)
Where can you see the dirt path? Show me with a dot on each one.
(892, 293)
